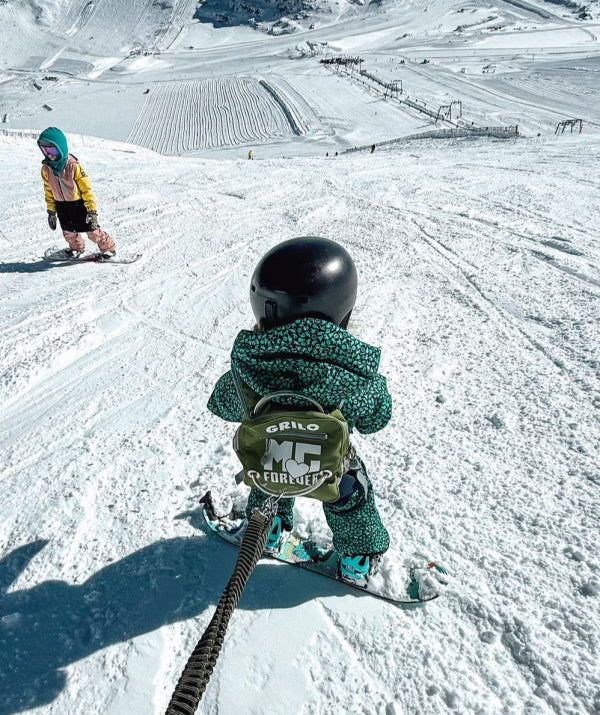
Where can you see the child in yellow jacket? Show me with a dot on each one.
(69, 196)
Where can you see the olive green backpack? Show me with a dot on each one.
(290, 453)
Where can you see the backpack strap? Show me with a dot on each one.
(283, 393)
(263, 401)
(238, 389)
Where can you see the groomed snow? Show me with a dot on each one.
(162, 80)
(479, 278)
(479, 269)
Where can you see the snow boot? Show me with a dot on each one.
(276, 537)
(356, 570)
(285, 508)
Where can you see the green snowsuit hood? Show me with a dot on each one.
(315, 358)
(54, 136)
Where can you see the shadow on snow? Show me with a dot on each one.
(45, 628)
(36, 267)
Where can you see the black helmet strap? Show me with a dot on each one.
(270, 311)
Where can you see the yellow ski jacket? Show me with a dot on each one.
(72, 184)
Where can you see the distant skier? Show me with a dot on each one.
(250, 155)
(69, 196)
(372, 148)
(302, 294)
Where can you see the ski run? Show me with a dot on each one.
(479, 278)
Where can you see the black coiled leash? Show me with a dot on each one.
(201, 663)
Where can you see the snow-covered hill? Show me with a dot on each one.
(479, 266)
(148, 73)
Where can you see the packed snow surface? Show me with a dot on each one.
(479, 267)
(145, 72)
(479, 278)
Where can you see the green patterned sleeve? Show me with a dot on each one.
(224, 401)
(371, 408)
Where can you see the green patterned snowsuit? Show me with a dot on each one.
(320, 360)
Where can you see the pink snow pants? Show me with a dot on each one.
(76, 242)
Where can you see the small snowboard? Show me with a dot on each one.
(422, 578)
(58, 255)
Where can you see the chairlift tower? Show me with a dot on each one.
(571, 123)
(395, 90)
(456, 103)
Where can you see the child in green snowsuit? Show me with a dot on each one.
(302, 294)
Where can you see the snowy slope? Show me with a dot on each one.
(148, 73)
(479, 267)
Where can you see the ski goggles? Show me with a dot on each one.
(50, 151)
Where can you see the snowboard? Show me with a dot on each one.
(421, 583)
(58, 255)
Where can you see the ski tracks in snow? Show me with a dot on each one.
(489, 463)
(112, 26)
(511, 319)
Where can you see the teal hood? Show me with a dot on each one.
(315, 358)
(54, 136)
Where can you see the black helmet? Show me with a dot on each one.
(304, 277)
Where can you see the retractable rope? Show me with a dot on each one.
(199, 668)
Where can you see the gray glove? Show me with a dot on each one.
(52, 220)
(92, 220)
